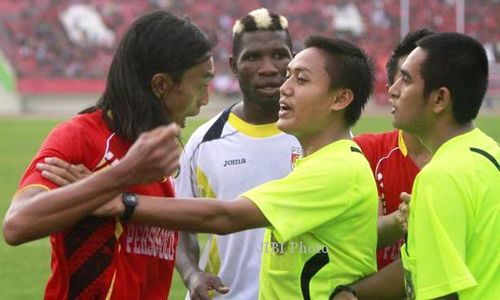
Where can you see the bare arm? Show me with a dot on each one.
(35, 213)
(393, 226)
(200, 215)
(389, 230)
(188, 256)
(198, 282)
(387, 284)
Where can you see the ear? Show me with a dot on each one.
(161, 84)
(232, 64)
(387, 86)
(341, 99)
(440, 100)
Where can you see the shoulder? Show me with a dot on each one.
(341, 158)
(377, 140)
(212, 129)
(473, 151)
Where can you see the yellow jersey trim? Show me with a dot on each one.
(401, 144)
(259, 131)
(203, 185)
(32, 185)
(213, 264)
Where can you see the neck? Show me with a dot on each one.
(257, 114)
(313, 142)
(416, 151)
(441, 133)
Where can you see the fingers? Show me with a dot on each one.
(403, 209)
(54, 178)
(61, 172)
(155, 154)
(217, 285)
(222, 290)
(402, 221)
(56, 173)
(405, 197)
(204, 284)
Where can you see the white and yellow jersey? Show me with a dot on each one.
(224, 158)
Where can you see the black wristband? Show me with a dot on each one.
(343, 288)
(130, 201)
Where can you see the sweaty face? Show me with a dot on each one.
(305, 96)
(188, 95)
(406, 95)
(261, 65)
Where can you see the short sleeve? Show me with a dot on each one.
(67, 142)
(439, 216)
(307, 198)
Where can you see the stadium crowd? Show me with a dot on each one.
(38, 36)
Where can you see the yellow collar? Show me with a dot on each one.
(401, 144)
(260, 131)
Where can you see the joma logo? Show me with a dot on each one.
(232, 162)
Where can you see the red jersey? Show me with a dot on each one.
(394, 173)
(103, 258)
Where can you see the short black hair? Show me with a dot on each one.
(158, 42)
(459, 63)
(259, 19)
(348, 67)
(403, 48)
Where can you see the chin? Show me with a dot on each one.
(181, 123)
(283, 126)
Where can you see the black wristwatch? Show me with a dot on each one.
(343, 288)
(130, 201)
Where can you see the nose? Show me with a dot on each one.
(268, 68)
(285, 88)
(204, 98)
(392, 92)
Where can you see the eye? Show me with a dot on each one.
(405, 79)
(251, 57)
(203, 86)
(301, 79)
(281, 55)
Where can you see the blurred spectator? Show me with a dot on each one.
(35, 34)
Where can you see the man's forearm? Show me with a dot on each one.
(188, 255)
(389, 231)
(199, 215)
(35, 213)
(387, 283)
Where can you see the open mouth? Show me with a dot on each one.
(284, 109)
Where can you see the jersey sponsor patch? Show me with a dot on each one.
(151, 241)
(233, 162)
(296, 153)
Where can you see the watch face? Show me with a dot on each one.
(130, 199)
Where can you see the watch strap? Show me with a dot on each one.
(130, 201)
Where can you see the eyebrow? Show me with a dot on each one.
(209, 75)
(405, 73)
(298, 69)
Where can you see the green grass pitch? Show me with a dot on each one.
(24, 269)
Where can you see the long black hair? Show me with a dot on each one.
(158, 42)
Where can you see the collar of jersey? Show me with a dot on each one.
(259, 131)
(401, 144)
